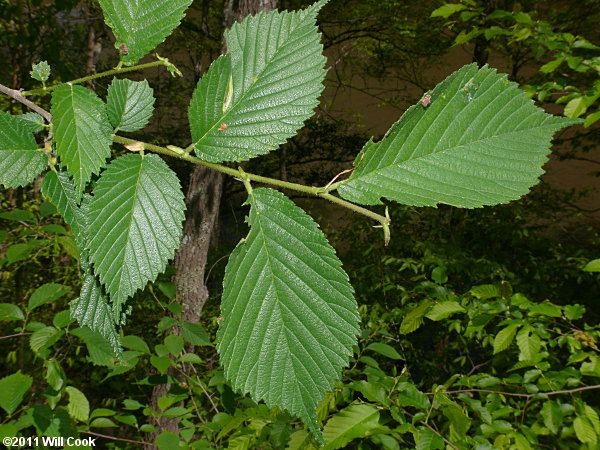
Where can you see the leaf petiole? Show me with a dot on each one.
(116, 70)
(177, 152)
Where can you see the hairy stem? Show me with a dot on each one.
(19, 96)
(240, 174)
(527, 396)
(160, 62)
(176, 152)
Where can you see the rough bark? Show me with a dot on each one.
(481, 52)
(203, 201)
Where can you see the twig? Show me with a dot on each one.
(516, 394)
(439, 434)
(16, 95)
(160, 62)
(106, 436)
(206, 393)
(13, 335)
(313, 190)
(478, 366)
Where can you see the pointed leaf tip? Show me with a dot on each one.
(129, 104)
(478, 141)
(290, 318)
(264, 89)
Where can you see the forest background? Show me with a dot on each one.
(479, 327)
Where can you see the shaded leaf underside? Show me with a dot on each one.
(129, 104)
(276, 66)
(92, 308)
(290, 315)
(478, 142)
(82, 132)
(20, 159)
(135, 223)
(142, 24)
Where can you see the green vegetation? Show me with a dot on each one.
(460, 329)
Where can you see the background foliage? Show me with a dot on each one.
(478, 328)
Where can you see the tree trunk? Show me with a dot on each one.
(202, 200)
(481, 52)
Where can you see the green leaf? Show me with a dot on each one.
(551, 66)
(54, 228)
(8, 311)
(50, 422)
(140, 25)
(428, 440)
(584, 430)
(20, 159)
(479, 142)
(459, 421)
(61, 192)
(447, 10)
(384, 349)
(414, 319)
(32, 121)
(260, 94)
(552, 415)
(78, 407)
(529, 344)
(373, 392)
(62, 318)
(592, 368)
(135, 343)
(82, 132)
(162, 363)
(40, 71)
(409, 395)
(136, 215)
(103, 422)
(55, 375)
(443, 310)
(485, 291)
(13, 388)
(591, 119)
(18, 252)
(129, 104)
(355, 421)
(576, 107)
(100, 350)
(46, 293)
(545, 309)
(290, 318)
(592, 416)
(384, 441)
(167, 441)
(103, 412)
(301, 440)
(92, 309)
(592, 266)
(195, 334)
(44, 338)
(191, 358)
(505, 337)
(19, 215)
(174, 343)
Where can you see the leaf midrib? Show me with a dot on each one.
(223, 118)
(289, 355)
(127, 232)
(406, 162)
